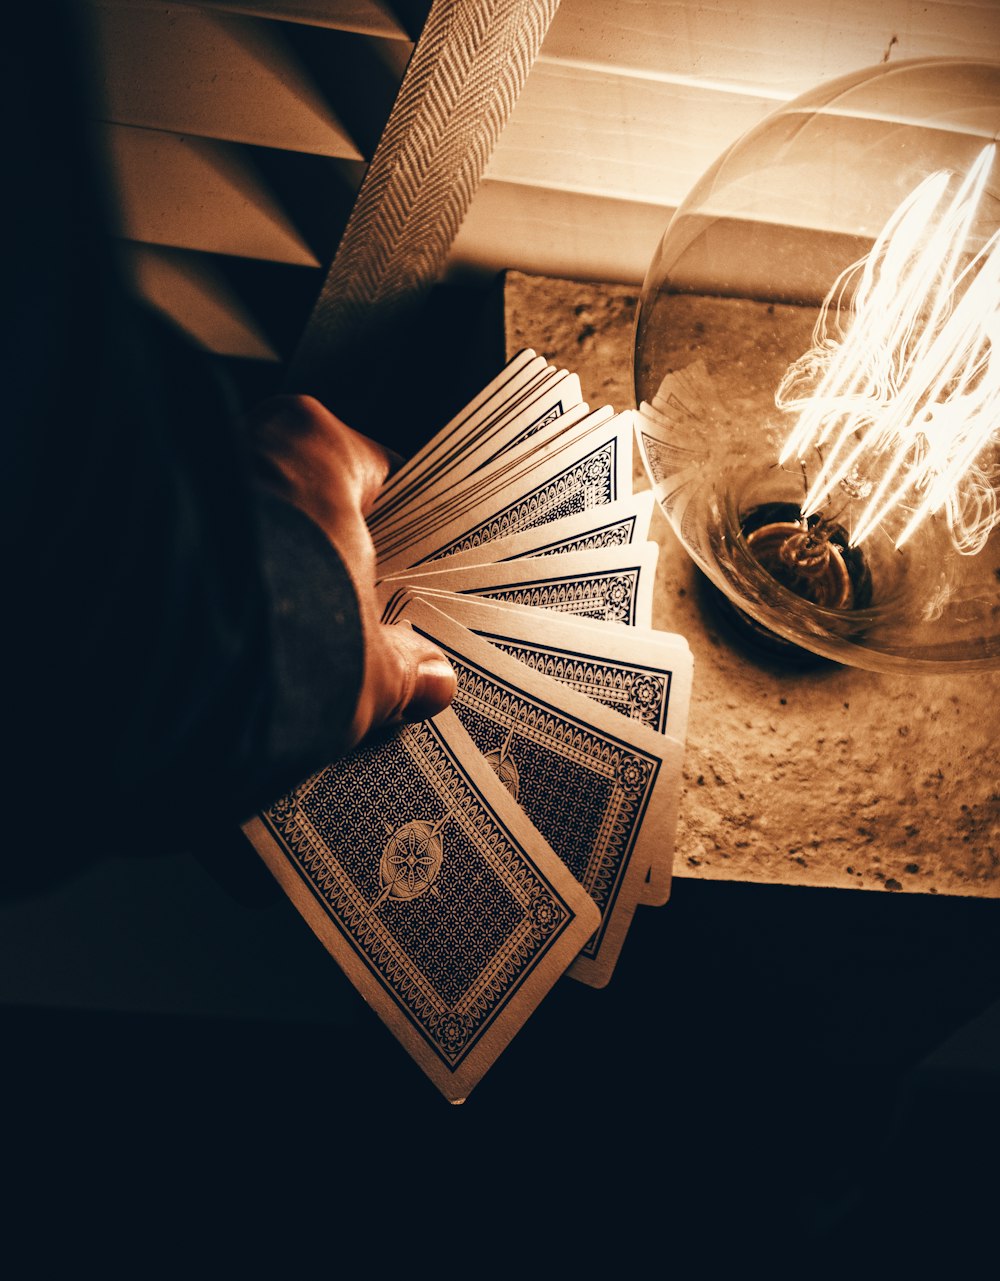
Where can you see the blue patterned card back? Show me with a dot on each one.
(444, 907)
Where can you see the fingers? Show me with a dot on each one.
(316, 460)
(406, 679)
(334, 475)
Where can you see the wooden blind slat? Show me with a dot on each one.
(189, 290)
(197, 194)
(631, 101)
(215, 76)
(556, 233)
(624, 137)
(371, 17)
(783, 47)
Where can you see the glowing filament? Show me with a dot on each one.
(903, 404)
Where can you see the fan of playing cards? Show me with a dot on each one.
(457, 868)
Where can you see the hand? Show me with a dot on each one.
(333, 474)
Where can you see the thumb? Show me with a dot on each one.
(407, 679)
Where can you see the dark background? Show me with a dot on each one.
(791, 1076)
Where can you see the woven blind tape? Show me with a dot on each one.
(463, 79)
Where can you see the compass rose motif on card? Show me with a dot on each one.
(411, 860)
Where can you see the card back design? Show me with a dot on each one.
(612, 597)
(616, 533)
(664, 460)
(436, 910)
(590, 482)
(583, 788)
(633, 690)
(546, 419)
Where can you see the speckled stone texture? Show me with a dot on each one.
(827, 775)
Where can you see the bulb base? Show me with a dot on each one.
(810, 557)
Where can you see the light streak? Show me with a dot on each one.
(903, 400)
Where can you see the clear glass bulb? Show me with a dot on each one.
(817, 373)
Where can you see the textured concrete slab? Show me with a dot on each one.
(830, 776)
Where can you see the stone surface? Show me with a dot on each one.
(828, 775)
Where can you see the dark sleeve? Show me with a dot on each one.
(181, 646)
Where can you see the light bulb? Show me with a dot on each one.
(818, 390)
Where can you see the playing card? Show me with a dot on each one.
(671, 432)
(585, 468)
(532, 406)
(639, 672)
(444, 501)
(522, 372)
(612, 525)
(516, 432)
(662, 456)
(613, 583)
(642, 674)
(441, 902)
(602, 789)
(531, 424)
(457, 867)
